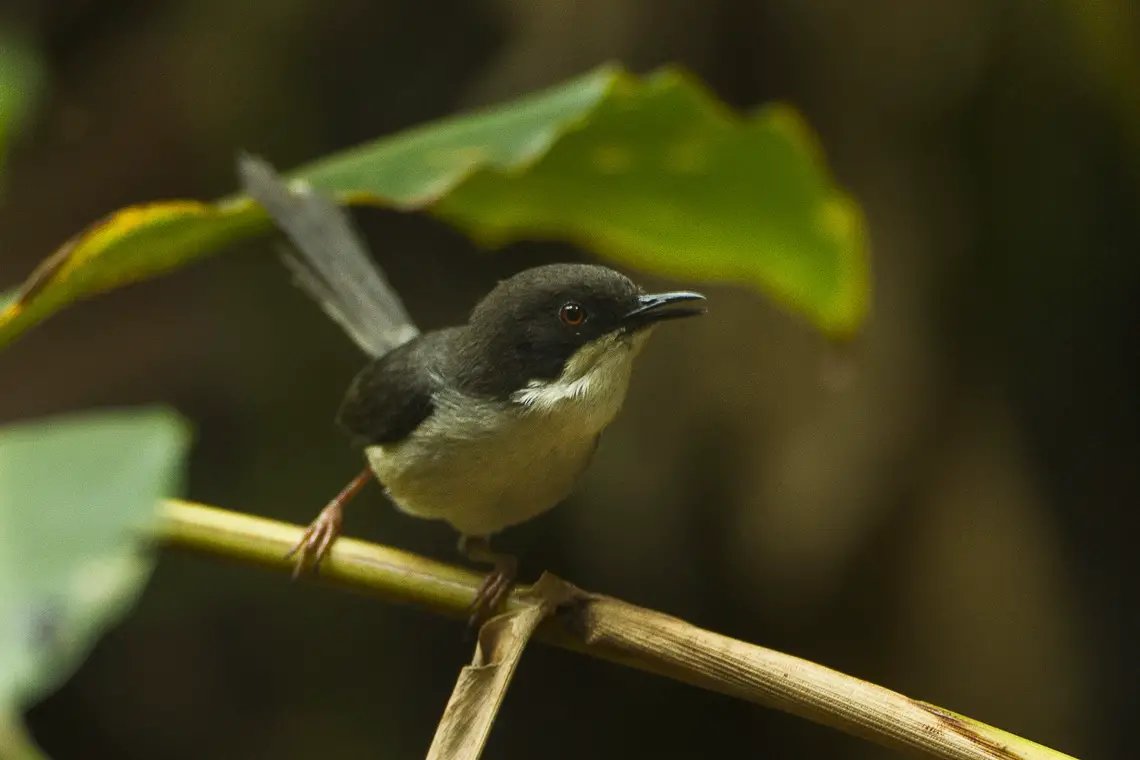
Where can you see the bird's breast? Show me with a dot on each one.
(486, 465)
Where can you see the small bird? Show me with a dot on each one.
(484, 425)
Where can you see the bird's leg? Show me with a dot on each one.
(319, 536)
(498, 582)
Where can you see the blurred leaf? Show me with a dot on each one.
(20, 78)
(1107, 37)
(75, 492)
(15, 742)
(654, 173)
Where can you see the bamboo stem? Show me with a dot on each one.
(622, 633)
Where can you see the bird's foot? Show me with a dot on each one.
(496, 586)
(493, 591)
(318, 538)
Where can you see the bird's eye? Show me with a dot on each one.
(571, 314)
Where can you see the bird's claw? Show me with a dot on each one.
(317, 539)
(491, 594)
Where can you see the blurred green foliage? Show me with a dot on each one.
(75, 492)
(655, 173)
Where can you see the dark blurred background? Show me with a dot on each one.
(954, 522)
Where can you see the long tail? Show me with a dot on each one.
(330, 262)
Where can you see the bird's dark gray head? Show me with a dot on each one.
(532, 324)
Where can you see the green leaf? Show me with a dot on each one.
(15, 741)
(75, 494)
(654, 173)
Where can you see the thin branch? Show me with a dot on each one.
(613, 630)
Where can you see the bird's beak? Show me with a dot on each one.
(656, 307)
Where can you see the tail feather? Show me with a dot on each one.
(329, 260)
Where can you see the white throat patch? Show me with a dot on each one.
(595, 378)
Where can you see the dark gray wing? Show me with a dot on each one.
(390, 397)
(330, 262)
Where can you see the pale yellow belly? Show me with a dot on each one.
(481, 482)
(484, 466)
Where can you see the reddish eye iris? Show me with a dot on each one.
(572, 314)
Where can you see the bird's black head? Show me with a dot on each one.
(531, 324)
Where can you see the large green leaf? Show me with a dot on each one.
(75, 495)
(654, 173)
